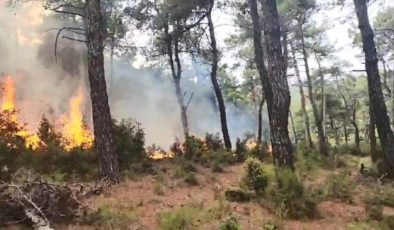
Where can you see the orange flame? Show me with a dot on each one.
(75, 130)
(9, 92)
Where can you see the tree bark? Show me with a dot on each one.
(355, 125)
(260, 122)
(303, 104)
(277, 90)
(372, 135)
(292, 126)
(104, 146)
(215, 83)
(376, 97)
(176, 76)
(323, 104)
(318, 122)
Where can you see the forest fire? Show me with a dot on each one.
(75, 131)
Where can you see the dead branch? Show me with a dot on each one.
(69, 9)
(58, 34)
(190, 99)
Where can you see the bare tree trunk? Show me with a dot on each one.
(216, 87)
(372, 135)
(303, 104)
(275, 85)
(323, 104)
(355, 125)
(260, 122)
(277, 92)
(176, 76)
(318, 122)
(334, 129)
(376, 97)
(102, 122)
(292, 126)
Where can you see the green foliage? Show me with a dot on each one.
(340, 187)
(190, 179)
(308, 159)
(213, 142)
(180, 219)
(240, 150)
(129, 140)
(108, 218)
(272, 225)
(194, 147)
(231, 223)
(374, 211)
(290, 199)
(237, 195)
(255, 178)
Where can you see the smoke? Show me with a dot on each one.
(45, 85)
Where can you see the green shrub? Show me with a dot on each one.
(190, 179)
(271, 225)
(308, 159)
(183, 167)
(387, 223)
(129, 141)
(231, 223)
(180, 219)
(255, 178)
(374, 211)
(240, 150)
(339, 187)
(237, 195)
(290, 199)
(213, 142)
(108, 218)
(193, 147)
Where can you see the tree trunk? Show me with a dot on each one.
(345, 131)
(323, 104)
(102, 122)
(356, 129)
(111, 78)
(376, 97)
(260, 122)
(275, 85)
(372, 135)
(292, 126)
(277, 93)
(303, 104)
(216, 87)
(176, 76)
(318, 122)
(334, 129)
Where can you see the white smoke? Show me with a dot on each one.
(45, 86)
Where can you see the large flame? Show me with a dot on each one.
(75, 129)
(8, 94)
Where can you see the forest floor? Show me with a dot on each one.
(139, 202)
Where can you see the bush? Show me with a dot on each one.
(387, 223)
(108, 218)
(290, 199)
(237, 195)
(193, 147)
(129, 141)
(240, 150)
(374, 211)
(181, 219)
(213, 142)
(255, 178)
(190, 179)
(231, 223)
(308, 159)
(339, 187)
